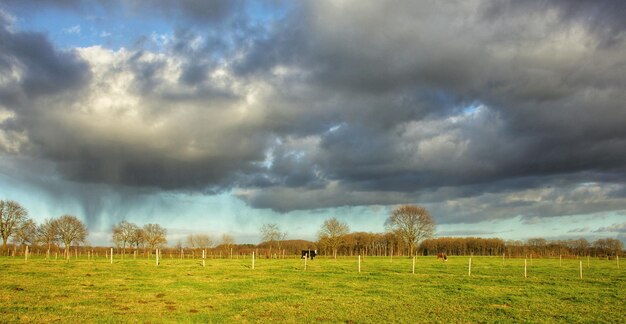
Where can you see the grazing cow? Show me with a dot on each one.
(442, 256)
(309, 254)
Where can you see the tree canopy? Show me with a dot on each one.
(412, 224)
(332, 233)
(12, 218)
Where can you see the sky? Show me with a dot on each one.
(503, 118)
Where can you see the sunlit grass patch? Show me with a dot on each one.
(228, 290)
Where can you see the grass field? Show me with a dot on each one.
(329, 291)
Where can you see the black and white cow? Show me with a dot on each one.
(309, 253)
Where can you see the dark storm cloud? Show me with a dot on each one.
(370, 50)
(53, 3)
(183, 136)
(215, 11)
(198, 10)
(557, 116)
(32, 70)
(35, 68)
(606, 18)
(542, 116)
(461, 204)
(507, 106)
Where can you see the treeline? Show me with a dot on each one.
(67, 233)
(410, 231)
(386, 244)
(23, 231)
(536, 246)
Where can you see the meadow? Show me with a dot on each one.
(386, 290)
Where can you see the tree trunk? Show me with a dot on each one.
(4, 246)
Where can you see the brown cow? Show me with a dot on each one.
(442, 256)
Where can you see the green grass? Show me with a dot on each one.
(328, 291)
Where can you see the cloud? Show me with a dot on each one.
(477, 110)
(585, 229)
(142, 127)
(33, 68)
(72, 30)
(199, 11)
(605, 19)
(401, 96)
(615, 228)
(450, 205)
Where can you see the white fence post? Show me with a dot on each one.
(111, 255)
(359, 263)
(525, 274)
(469, 267)
(413, 265)
(252, 260)
(581, 269)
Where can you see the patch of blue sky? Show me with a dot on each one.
(263, 12)
(69, 29)
(115, 27)
(472, 108)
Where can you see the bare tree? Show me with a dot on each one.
(608, 246)
(138, 238)
(190, 241)
(47, 234)
(228, 240)
(123, 233)
(614, 246)
(271, 233)
(332, 233)
(580, 246)
(25, 233)
(154, 235)
(202, 241)
(70, 230)
(12, 216)
(412, 224)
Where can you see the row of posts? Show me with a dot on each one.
(469, 268)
